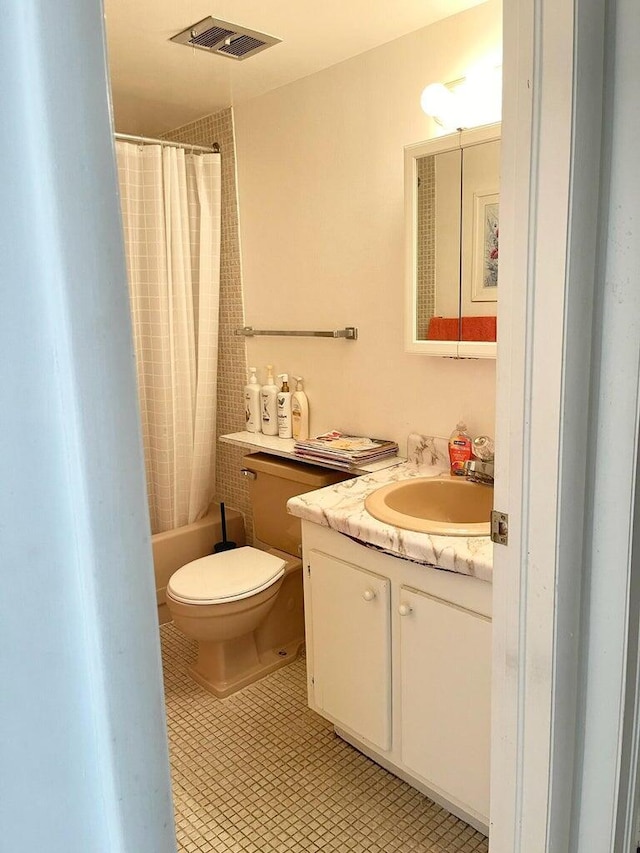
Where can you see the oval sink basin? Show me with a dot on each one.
(444, 506)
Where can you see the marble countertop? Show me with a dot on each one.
(341, 507)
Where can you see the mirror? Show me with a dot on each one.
(452, 226)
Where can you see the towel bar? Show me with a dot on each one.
(350, 333)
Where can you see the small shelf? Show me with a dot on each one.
(256, 441)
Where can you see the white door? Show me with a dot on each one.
(565, 598)
(446, 697)
(350, 611)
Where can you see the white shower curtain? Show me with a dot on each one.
(171, 215)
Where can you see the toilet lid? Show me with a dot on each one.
(228, 576)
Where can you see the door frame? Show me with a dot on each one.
(567, 402)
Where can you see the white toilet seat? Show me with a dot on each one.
(225, 577)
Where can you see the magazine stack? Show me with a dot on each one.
(347, 452)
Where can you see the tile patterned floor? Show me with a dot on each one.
(259, 772)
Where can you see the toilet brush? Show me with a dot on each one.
(225, 545)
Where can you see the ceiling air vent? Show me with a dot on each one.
(225, 39)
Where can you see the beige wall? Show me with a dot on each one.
(320, 170)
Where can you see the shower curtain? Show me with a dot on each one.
(170, 203)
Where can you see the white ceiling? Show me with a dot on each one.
(158, 85)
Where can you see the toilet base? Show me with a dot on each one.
(261, 665)
(244, 639)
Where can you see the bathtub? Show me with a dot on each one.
(174, 548)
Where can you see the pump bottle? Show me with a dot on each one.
(284, 408)
(300, 411)
(252, 402)
(269, 407)
(459, 449)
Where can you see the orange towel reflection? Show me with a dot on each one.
(465, 329)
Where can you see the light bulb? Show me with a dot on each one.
(437, 101)
(481, 95)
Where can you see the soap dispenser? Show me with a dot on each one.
(285, 429)
(459, 449)
(252, 402)
(269, 407)
(300, 411)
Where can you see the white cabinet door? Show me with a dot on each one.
(446, 696)
(350, 612)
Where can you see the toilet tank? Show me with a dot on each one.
(275, 482)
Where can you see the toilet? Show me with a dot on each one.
(244, 607)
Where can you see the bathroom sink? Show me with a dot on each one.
(444, 506)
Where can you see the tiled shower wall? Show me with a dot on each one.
(232, 361)
(426, 260)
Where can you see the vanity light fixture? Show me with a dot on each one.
(470, 101)
(439, 102)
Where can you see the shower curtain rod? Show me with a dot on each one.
(125, 137)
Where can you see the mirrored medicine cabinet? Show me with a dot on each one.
(452, 187)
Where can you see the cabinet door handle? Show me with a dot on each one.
(369, 594)
(404, 609)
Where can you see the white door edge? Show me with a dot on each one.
(562, 747)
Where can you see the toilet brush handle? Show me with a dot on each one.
(225, 545)
(223, 519)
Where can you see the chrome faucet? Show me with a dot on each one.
(480, 468)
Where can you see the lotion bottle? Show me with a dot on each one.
(459, 449)
(300, 411)
(269, 406)
(252, 402)
(284, 408)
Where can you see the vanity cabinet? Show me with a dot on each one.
(352, 678)
(399, 660)
(445, 675)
